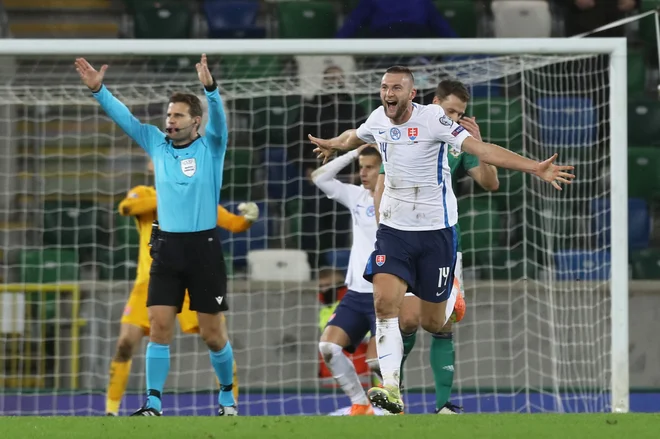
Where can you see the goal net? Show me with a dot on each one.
(538, 276)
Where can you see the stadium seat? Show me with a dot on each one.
(237, 245)
(272, 117)
(506, 264)
(71, 224)
(310, 19)
(250, 66)
(274, 159)
(293, 213)
(119, 264)
(488, 89)
(636, 72)
(48, 266)
(643, 174)
(337, 258)
(125, 231)
(278, 265)
(509, 196)
(521, 19)
(643, 126)
(162, 19)
(639, 222)
(552, 224)
(573, 265)
(500, 120)
(479, 222)
(461, 16)
(566, 122)
(236, 180)
(233, 19)
(645, 264)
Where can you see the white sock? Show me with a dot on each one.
(389, 346)
(343, 372)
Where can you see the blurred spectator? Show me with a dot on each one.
(586, 15)
(396, 19)
(325, 224)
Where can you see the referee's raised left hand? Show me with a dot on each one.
(203, 72)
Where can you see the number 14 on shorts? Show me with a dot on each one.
(443, 279)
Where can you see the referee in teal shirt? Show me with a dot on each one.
(186, 251)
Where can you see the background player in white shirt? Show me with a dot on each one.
(416, 243)
(355, 315)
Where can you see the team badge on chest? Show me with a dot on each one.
(413, 133)
(188, 167)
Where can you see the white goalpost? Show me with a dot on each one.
(546, 273)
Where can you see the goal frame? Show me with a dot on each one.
(614, 47)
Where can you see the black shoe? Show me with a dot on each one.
(147, 411)
(449, 409)
(230, 410)
(111, 414)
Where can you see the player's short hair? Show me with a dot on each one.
(370, 151)
(402, 69)
(193, 102)
(452, 87)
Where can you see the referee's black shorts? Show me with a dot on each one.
(188, 261)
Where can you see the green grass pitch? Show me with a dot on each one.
(509, 426)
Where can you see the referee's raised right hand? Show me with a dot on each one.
(92, 78)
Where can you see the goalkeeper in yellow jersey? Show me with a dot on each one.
(141, 204)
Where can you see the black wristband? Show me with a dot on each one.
(96, 91)
(211, 87)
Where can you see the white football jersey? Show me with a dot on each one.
(359, 200)
(418, 192)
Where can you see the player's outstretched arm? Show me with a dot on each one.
(147, 136)
(238, 223)
(483, 173)
(216, 127)
(324, 177)
(503, 158)
(326, 148)
(138, 201)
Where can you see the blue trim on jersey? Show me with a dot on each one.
(455, 247)
(369, 269)
(441, 178)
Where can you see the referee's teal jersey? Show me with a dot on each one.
(188, 180)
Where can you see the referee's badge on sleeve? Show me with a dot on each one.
(188, 167)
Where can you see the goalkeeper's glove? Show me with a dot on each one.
(250, 211)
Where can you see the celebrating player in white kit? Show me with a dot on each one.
(355, 317)
(416, 240)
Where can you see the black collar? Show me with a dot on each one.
(185, 145)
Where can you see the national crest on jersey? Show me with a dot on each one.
(418, 191)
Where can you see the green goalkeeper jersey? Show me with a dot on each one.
(459, 164)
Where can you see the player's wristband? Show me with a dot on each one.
(211, 87)
(96, 91)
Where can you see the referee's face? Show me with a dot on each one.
(181, 126)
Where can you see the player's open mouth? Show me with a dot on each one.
(391, 105)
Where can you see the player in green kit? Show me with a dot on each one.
(453, 97)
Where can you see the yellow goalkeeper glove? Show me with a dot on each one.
(249, 210)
